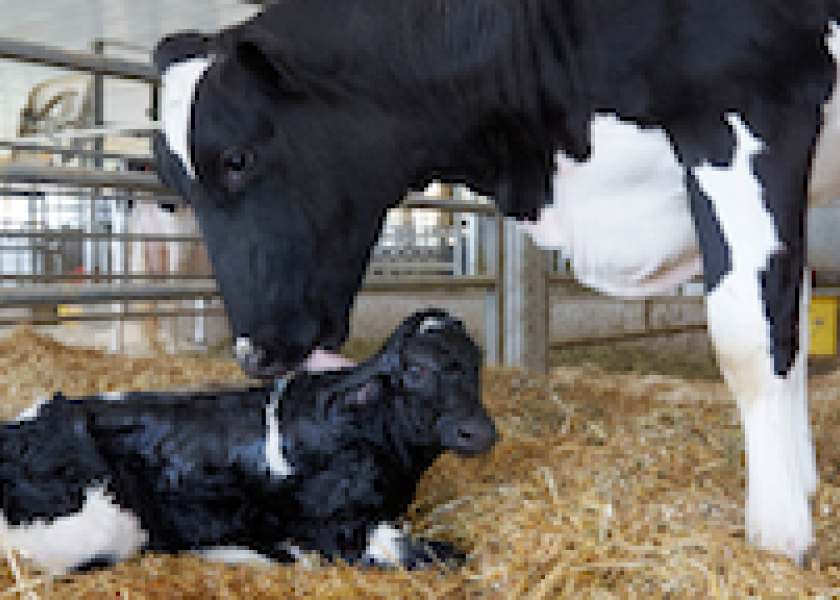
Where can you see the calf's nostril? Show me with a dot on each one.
(466, 433)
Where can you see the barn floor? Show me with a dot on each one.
(604, 485)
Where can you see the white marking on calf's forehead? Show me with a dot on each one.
(383, 545)
(430, 324)
(100, 528)
(275, 459)
(177, 95)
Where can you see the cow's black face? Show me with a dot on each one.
(290, 193)
(313, 119)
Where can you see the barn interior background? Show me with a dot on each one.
(102, 289)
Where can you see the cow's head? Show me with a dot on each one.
(311, 120)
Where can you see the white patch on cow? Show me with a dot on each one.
(430, 324)
(781, 471)
(243, 348)
(383, 545)
(100, 528)
(825, 176)
(622, 216)
(112, 396)
(179, 82)
(234, 555)
(274, 457)
(31, 413)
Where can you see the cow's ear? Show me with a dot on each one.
(258, 56)
(179, 46)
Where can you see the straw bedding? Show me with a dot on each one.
(603, 485)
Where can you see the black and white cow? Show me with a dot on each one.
(653, 139)
(325, 462)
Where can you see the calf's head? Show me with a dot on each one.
(423, 387)
(431, 370)
(312, 119)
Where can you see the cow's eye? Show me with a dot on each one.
(236, 163)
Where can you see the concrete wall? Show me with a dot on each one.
(576, 316)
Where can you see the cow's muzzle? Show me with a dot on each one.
(256, 363)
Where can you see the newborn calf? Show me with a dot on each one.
(322, 462)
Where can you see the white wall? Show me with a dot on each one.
(73, 24)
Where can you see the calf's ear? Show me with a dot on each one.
(366, 394)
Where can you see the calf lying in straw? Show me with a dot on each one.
(322, 462)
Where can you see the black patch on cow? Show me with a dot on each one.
(716, 254)
(783, 167)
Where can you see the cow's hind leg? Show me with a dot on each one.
(750, 219)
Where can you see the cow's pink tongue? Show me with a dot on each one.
(322, 360)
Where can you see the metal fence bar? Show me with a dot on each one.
(103, 293)
(54, 235)
(107, 277)
(33, 174)
(89, 63)
(28, 146)
(427, 282)
(111, 316)
(630, 335)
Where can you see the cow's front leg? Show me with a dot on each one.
(750, 220)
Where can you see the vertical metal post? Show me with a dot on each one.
(93, 246)
(526, 302)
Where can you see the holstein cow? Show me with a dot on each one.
(324, 462)
(672, 122)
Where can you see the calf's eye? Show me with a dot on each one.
(419, 370)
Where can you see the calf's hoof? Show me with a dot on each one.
(419, 553)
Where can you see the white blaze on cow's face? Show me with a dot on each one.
(177, 94)
(100, 529)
